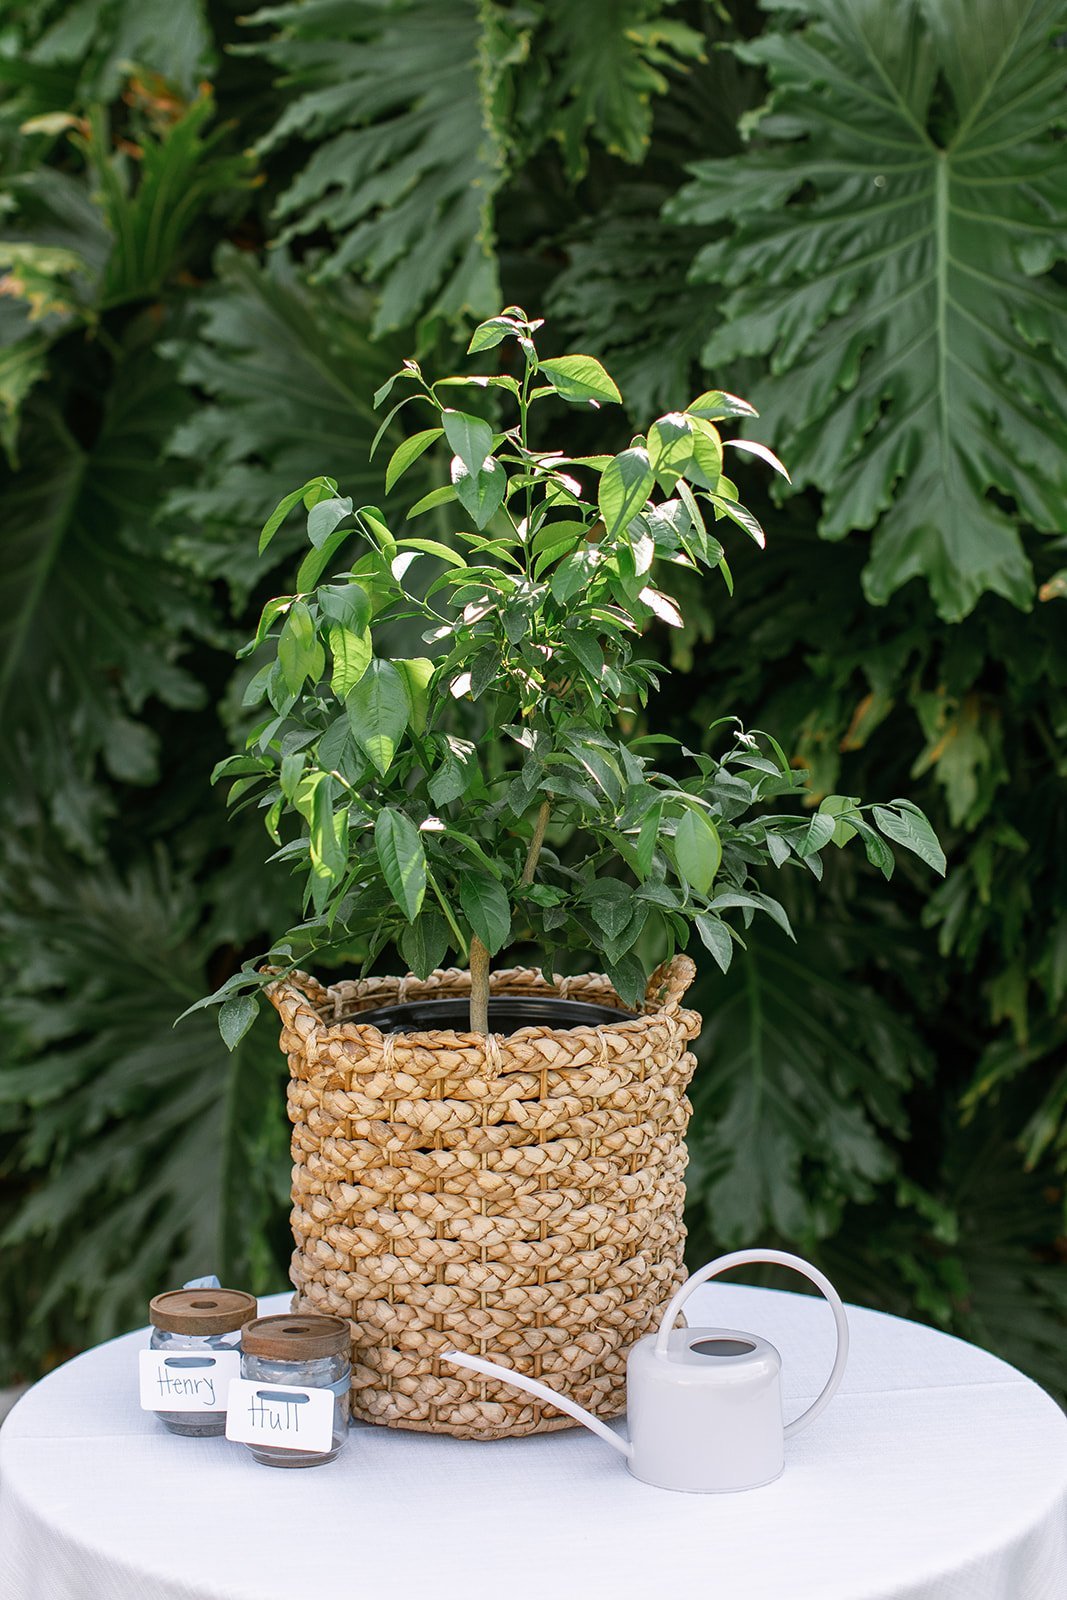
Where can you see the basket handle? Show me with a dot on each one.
(669, 982)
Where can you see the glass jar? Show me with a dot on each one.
(305, 1352)
(198, 1319)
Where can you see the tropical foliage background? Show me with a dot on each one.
(220, 234)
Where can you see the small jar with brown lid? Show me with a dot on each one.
(198, 1319)
(305, 1352)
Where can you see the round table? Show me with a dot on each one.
(937, 1473)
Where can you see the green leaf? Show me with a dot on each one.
(454, 778)
(318, 559)
(743, 518)
(314, 799)
(435, 498)
(406, 453)
(629, 979)
(400, 108)
(753, 447)
(137, 1196)
(715, 405)
(716, 937)
(670, 448)
(300, 655)
(601, 66)
(705, 468)
(324, 517)
(351, 654)
(921, 384)
(697, 850)
(482, 495)
(580, 379)
(662, 606)
(402, 859)
(839, 806)
(347, 604)
(470, 438)
(424, 944)
(416, 673)
(236, 1016)
(816, 836)
(485, 905)
(281, 511)
(433, 547)
(625, 485)
(908, 827)
(333, 744)
(573, 574)
(378, 711)
(275, 363)
(489, 333)
(268, 616)
(774, 1135)
(647, 839)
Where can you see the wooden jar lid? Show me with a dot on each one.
(202, 1311)
(296, 1337)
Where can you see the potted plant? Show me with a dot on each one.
(486, 1165)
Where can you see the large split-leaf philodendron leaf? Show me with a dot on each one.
(92, 614)
(892, 231)
(803, 1071)
(399, 102)
(147, 1153)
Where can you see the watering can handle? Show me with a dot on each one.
(779, 1258)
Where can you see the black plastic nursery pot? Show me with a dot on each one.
(507, 1014)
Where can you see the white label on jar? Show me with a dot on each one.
(280, 1415)
(187, 1380)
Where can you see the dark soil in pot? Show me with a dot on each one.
(507, 1013)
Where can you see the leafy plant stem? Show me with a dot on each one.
(449, 918)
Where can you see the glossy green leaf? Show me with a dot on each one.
(324, 517)
(483, 494)
(236, 1016)
(920, 384)
(424, 944)
(470, 439)
(351, 654)
(416, 673)
(378, 711)
(407, 453)
(715, 405)
(300, 655)
(402, 859)
(485, 905)
(907, 826)
(625, 485)
(580, 379)
(697, 850)
(347, 604)
(670, 448)
(716, 937)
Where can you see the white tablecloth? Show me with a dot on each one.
(938, 1473)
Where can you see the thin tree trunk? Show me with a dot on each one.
(479, 1019)
(536, 841)
(479, 1011)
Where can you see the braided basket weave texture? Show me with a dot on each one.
(513, 1196)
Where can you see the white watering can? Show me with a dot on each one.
(704, 1405)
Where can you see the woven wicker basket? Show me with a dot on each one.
(516, 1196)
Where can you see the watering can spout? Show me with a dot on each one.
(541, 1391)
